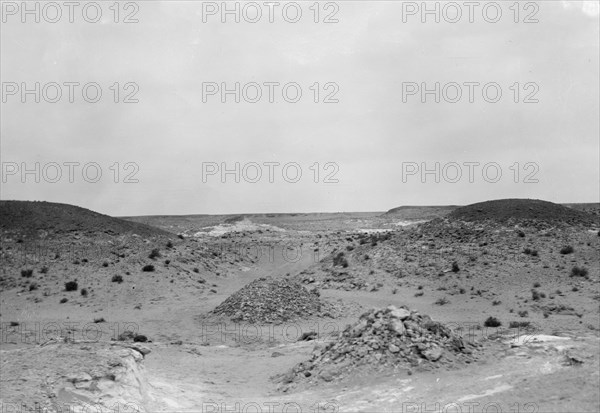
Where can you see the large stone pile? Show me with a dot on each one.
(268, 300)
(382, 339)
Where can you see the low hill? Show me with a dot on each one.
(31, 217)
(518, 210)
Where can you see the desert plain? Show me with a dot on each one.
(490, 307)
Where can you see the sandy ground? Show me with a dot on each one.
(194, 366)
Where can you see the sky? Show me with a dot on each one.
(369, 140)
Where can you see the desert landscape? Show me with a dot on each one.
(345, 206)
(488, 306)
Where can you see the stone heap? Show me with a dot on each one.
(268, 300)
(381, 339)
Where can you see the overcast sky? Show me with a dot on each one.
(369, 56)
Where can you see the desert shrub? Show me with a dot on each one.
(534, 253)
(64, 300)
(579, 272)
(574, 289)
(567, 250)
(117, 279)
(519, 324)
(148, 268)
(180, 236)
(523, 313)
(71, 286)
(521, 234)
(99, 320)
(419, 294)
(154, 254)
(496, 302)
(536, 285)
(44, 270)
(33, 287)
(196, 270)
(455, 267)
(492, 322)
(26, 273)
(140, 338)
(462, 291)
(442, 301)
(349, 247)
(535, 295)
(527, 251)
(340, 260)
(105, 264)
(167, 262)
(84, 292)
(169, 244)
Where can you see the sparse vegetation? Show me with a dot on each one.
(154, 254)
(169, 244)
(492, 322)
(44, 270)
(496, 302)
(26, 273)
(71, 286)
(99, 320)
(579, 272)
(567, 250)
(519, 324)
(536, 285)
(84, 292)
(339, 260)
(523, 313)
(455, 267)
(105, 264)
(148, 268)
(117, 279)
(442, 301)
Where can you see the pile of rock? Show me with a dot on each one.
(269, 300)
(382, 339)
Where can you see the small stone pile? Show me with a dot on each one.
(268, 300)
(382, 338)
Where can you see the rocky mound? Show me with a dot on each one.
(390, 338)
(513, 211)
(34, 218)
(268, 300)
